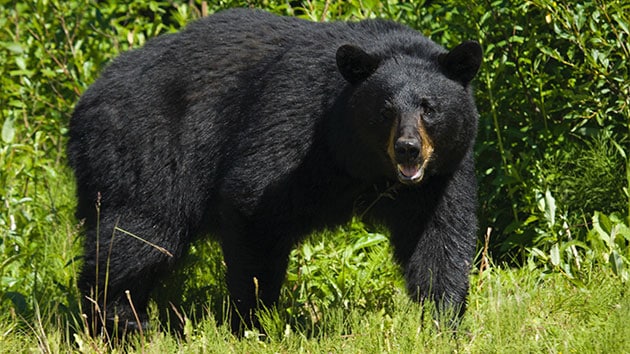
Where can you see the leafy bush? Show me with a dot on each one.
(355, 273)
(557, 250)
(554, 98)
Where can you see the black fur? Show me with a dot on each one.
(261, 129)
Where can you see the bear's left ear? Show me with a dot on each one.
(462, 62)
(355, 64)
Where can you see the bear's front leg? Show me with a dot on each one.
(434, 235)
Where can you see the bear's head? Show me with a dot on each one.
(414, 113)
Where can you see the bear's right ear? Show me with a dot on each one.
(355, 64)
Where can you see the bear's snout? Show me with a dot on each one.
(407, 150)
(409, 161)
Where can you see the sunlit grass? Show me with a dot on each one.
(510, 311)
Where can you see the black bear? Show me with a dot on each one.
(261, 129)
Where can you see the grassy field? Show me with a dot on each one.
(511, 311)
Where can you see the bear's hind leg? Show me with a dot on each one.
(125, 254)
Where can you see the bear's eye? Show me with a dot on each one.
(428, 109)
(388, 114)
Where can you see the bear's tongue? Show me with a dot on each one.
(409, 171)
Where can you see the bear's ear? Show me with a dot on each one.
(355, 64)
(462, 62)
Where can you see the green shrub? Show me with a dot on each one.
(554, 94)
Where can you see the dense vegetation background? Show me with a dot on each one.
(552, 151)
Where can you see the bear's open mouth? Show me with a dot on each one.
(410, 173)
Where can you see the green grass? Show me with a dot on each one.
(510, 311)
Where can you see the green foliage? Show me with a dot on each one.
(608, 243)
(37, 231)
(554, 103)
(587, 177)
(557, 250)
(356, 272)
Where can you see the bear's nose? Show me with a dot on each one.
(407, 149)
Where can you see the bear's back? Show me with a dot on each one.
(235, 99)
(247, 40)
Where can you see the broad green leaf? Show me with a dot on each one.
(14, 47)
(8, 131)
(599, 230)
(616, 262)
(554, 254)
